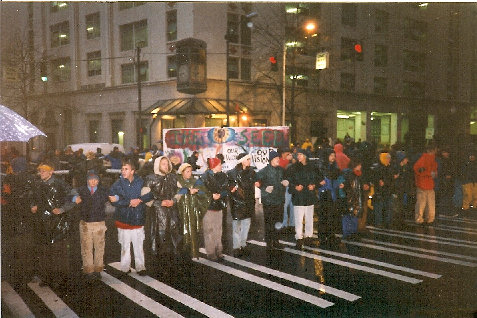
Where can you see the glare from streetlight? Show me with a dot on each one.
(310, 26)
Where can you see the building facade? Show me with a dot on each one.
(395, 72)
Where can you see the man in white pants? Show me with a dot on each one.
(125, 195)
(303, 178)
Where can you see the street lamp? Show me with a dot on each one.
(309, 28)
(227, 77)
(139, 45)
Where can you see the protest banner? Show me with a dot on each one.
(180, 143)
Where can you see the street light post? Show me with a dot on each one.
(139, 97)
(227, 77)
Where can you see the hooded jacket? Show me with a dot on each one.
(342, 160)
(164, 220)
(424, 168)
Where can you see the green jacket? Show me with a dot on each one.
(271, 176)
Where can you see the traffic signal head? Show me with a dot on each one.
(358, 51)
(273, 64)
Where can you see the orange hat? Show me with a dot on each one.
(213, 162)
(45, 167)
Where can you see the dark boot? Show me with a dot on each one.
(238, 252)
(299, 244)
(276, 245)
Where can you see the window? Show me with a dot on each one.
(380, 55)
(130, 4)
(415, 30)
(171, 66)
(94, 63)
(61, 69)
(93, 26)
(117, 131)
(129, 73)
(233, 27)
(348, 14)
(347, 81)
(233, 67)
(413, 89)
(259, 122)
(246, 69)
(414, 61)
(238, 31)
(56, 6)
(347, 49)
(93, 130)
(60, 34)
(171, 29)
(132, 34)
(380, 85)
(381, 21)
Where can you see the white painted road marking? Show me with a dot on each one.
(14, 302)
(370, 261)
(173, 293)
(296, 279)
(137, 297)
(267, 283)
(52, 301)
(355, 266)
(431, 257)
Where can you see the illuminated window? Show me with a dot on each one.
(129, 73)
(60, 34)
(171, 30)
(61, 69)
(171, 66)
(93, 26)
(56, 6)
(94, 63)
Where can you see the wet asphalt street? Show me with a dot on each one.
(410, 271)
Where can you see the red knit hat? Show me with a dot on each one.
(213, 162)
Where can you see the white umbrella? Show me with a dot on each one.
(14, 127)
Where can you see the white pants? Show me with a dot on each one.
(136, 237)
(307, 213)
(240, 230)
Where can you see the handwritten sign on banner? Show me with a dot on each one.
(228, 141)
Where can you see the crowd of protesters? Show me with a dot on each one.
(163, 209)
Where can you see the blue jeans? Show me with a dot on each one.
(240, 230)
(288, 221)
(383, 210)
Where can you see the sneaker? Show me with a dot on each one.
(124, 274)
(220, 258)
(142, 273)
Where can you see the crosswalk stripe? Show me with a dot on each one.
(14, 302)
(423, 235)
(459, 220)
(137, 297)
(173, 293)
(370, 261)
(470, 258)
(52, 301)
(267, 283)
(447, 228)
(421, 239)
(393, 250)
(296, 279)
(355, 266)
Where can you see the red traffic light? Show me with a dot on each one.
(358, 48)
(273, 60)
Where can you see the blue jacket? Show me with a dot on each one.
(126, 191)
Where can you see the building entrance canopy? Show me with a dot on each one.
(195, 106)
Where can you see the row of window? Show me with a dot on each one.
(131, 34)
(412, 61)
(410, 88)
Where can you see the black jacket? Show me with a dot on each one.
(216, 183)
(92, 207)
(243, 199)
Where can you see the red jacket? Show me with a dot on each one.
(423, 169)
